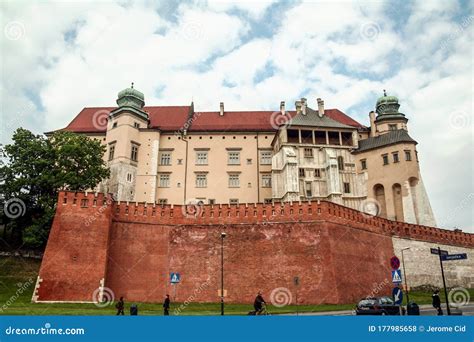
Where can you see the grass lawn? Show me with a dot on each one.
(19, 273)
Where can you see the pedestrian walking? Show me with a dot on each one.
(437, 302)
(120, 306)
(166, 305)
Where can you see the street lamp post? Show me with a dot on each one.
(223, 235)
(405, 274)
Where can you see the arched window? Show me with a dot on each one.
(379, 194)
(340, 163)
(397, 201)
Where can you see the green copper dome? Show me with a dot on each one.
(387, 105)
(131, 97)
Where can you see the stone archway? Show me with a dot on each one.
(379, 195)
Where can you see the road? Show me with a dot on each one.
(425, 310)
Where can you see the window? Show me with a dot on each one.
(363, 164)
(408, 155)
(268, 200)
(114, 125)
(340, 163)
(129, 177)
(234, 201)
(201, 158)
(309, 192)
(249, 161)
(180, 161)
(233, 158)
(347, 188)
(392, 127)
(317, 173)
(165, 158)
(266, 181)
(134, 152)
(385, 159)
(111, 151)
(396, 159)
(211, 201)
(201, 180)
(301, 172)
(162, 201)
(308, 153)
(136, 125)
(266, 157)
(234, 180)
(164, 181)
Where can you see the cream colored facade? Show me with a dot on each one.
(310, 156)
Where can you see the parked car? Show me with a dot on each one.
(377, 306)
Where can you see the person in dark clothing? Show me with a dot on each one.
(166, 306)
(134, 310)
(258, 303)
(437, 302)
(120, 306)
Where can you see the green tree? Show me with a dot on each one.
(36, 169)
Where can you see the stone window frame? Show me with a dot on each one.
(408, 155)
(266, 180)
(266, 157)
(201, 180)
(385, 159)
(234, 180)
(164, 180)
(165, 157)
(363, 164)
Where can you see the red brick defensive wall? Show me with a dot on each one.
(339, 254)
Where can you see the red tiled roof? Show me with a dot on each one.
(173, 118)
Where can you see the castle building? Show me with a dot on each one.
(176, 155)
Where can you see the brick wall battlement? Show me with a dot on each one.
(253, 213)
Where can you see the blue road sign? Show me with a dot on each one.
(397, 295)
(175, 278)
(448, 257)
(396, 276)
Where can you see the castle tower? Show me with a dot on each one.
(389, 160)
(123, 147)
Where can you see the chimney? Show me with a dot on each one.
(298, 107)
(282, 107)
(221, 113)
(320, 107)
(372, 123)
(303, 106)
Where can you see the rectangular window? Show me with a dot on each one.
(234, 201)
(268, 200)
(408, 155)
(396, 159)
(309, 192)
(162, 201)
(234, 180)
(233, 158)
(347, 188)
(301, 172)
(111, 151)
(134, 152)
(136, 125)
(211, 201)
(249, 161)
(164, 181)
(165, 158)
(201, 180)
(201, 158)
(317, 173)
(129, 177)
(308, 153)
(385, 159)
(266, 157)
(363, 164)
(392, 127)
(266, 181)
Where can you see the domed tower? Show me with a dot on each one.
(390, 161)
(123, 142)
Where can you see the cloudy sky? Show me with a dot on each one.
(57, 58)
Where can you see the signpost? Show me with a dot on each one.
(438, 250)
(397, 295)
(460, 256)
(395, 263)
(397, 277)
(175, 278)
